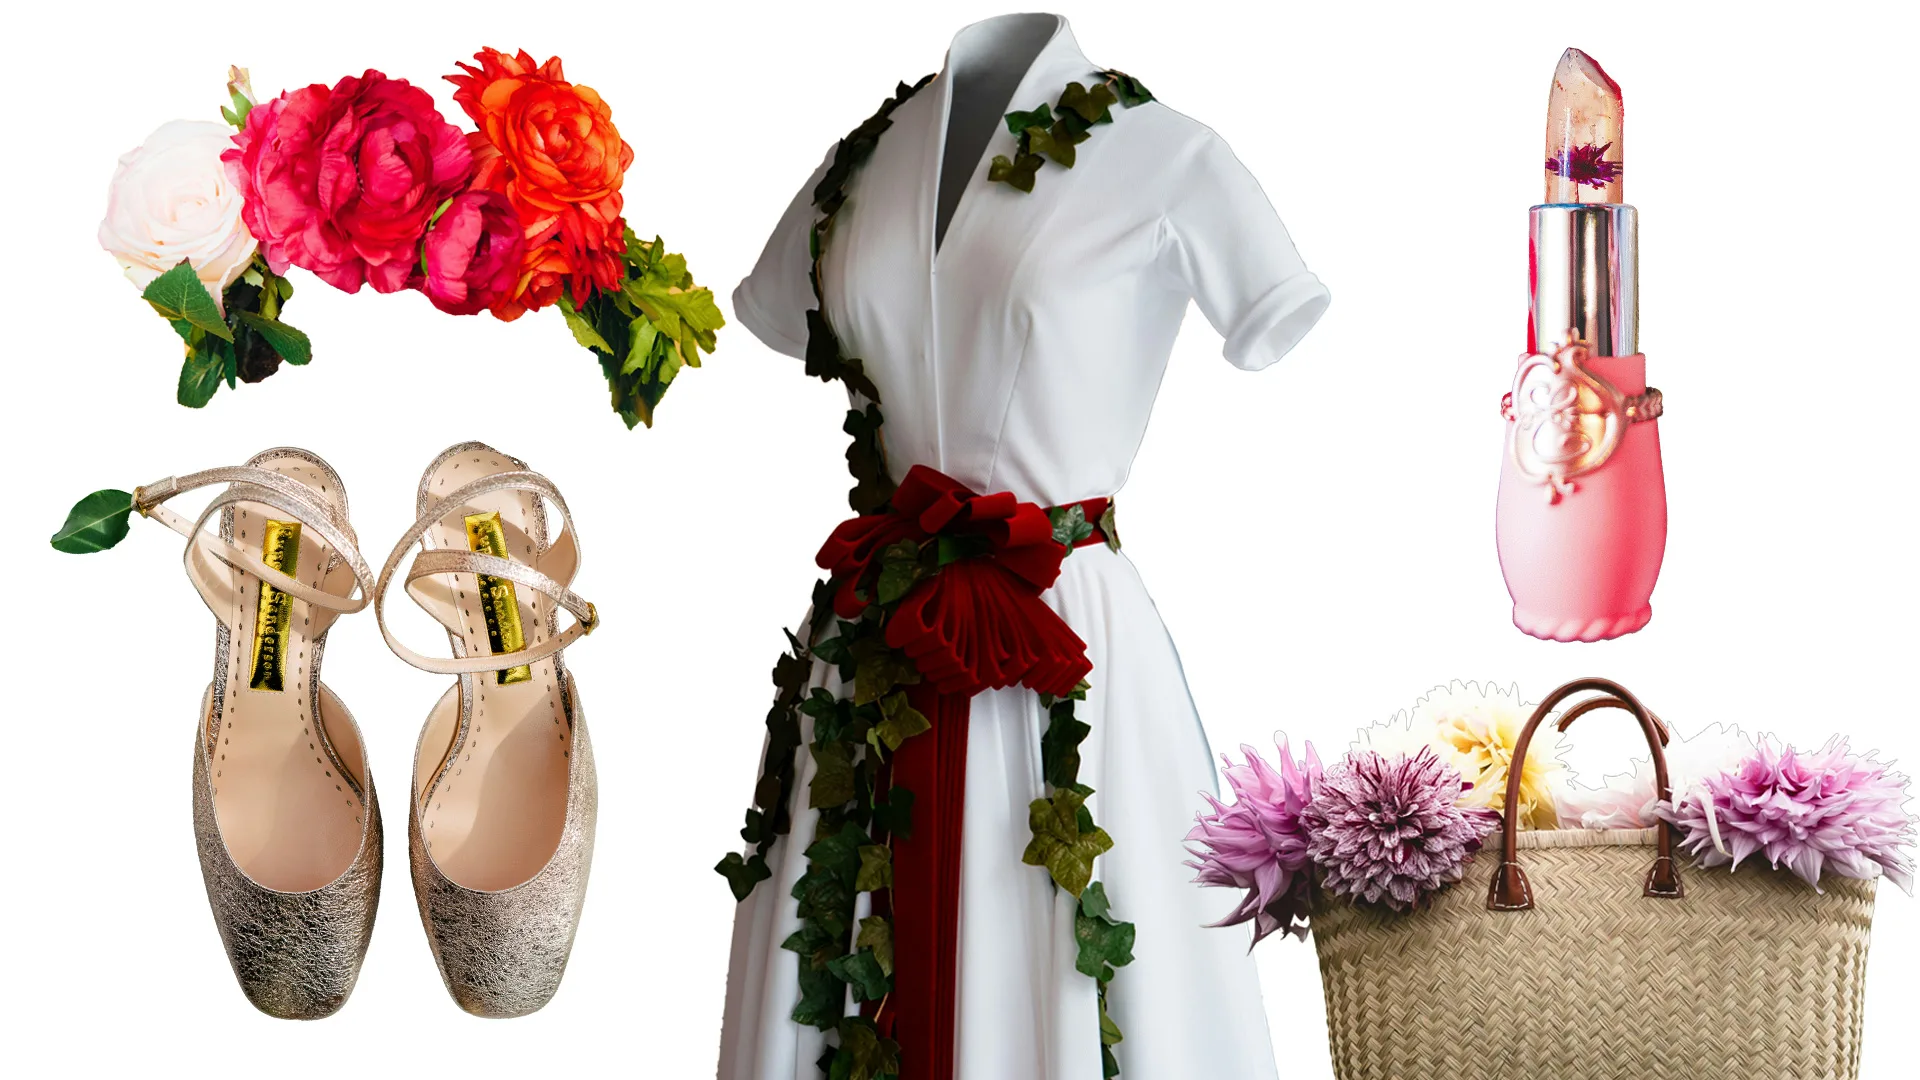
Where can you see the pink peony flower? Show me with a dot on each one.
(1259, 844)
(1827, 811)
(1387, 830)
(344, 180)
(471, 256)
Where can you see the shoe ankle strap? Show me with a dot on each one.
(551, 571)
(255, 485)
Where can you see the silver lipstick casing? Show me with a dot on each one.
(1583, 260)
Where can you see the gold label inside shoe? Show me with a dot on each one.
(280, 549)
(498, 602)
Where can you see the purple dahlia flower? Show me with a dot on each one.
(1827, 811)
(1258, 843)
(1389, 830)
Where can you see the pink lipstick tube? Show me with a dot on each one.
(1581, 521)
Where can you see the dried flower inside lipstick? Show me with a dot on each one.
(1586, 166)
(1584, 147)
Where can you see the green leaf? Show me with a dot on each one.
(876, 933)
(1110, 527)
(1131, 91)
(178, 294)
(1104, 943)
(832, 783)
(1041, 117)
(583, 332)
(864, 1054)
(643, 342)
(901, 721)
(895, 812)
(95, 523)
(878, 669)
(1093, 106)
(665, 291)
(861, 970)
(1060, 746)
(876, 868)
(200, 377)
(1017, 172)
(1063, 840)
(291, 344)
(900, 570)
(1070, 524)
(742, 873)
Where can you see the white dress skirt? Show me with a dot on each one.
(1022, 352)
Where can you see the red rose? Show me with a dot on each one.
(343, 181)
(471, 256)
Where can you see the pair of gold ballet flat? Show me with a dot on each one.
(501, 816)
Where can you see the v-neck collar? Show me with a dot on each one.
(1058, 62)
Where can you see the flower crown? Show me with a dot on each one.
(365, 183)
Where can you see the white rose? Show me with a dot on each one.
(171, 199)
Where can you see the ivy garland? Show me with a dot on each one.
(854, 736)
(1055, 131)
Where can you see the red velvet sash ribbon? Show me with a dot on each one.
(978, 624)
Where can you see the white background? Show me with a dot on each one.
(1318, 537)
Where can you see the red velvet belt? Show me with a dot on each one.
(977, 624)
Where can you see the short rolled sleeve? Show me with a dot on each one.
(1223, 243)
(772, 302)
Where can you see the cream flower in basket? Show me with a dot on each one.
(171, 199)
(1474, 729)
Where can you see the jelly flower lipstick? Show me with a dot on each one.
(1581, 522)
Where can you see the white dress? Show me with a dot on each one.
(1023, 354)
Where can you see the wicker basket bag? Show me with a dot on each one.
(1581, 954)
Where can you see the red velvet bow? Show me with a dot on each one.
(979, 623)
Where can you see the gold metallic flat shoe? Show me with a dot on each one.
(500, 825)
(284, 813)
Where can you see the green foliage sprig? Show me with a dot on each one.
(643, 333)
(1053, 132)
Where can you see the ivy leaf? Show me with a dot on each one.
(95, 523)
(292, 345)
(900, 570)
(1070, 524)
(178, 294)
(1060, 746)
(1110, 528)
(1094, 106)
(1063, 840)
(742, 873)
(864, 1053)
(1039, 118)
(1132, 91)
(861, 971)
(1017, 172)
(876, 869)
(1105, 943)
(200, 377)
(876, 933)
(832, 783)
(895, 813)
(878, 670)
(901, 721)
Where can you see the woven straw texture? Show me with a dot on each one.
(1752, 975)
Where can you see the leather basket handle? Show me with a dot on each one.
(1510, 890)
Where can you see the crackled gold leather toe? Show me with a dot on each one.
(296, 955)
(502, 953)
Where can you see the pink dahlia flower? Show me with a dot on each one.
(343, 180)
(1258, 844)
(472, 254)
(1827, 811)
(1388, 830)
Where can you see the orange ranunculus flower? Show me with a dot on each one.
(552, 149)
